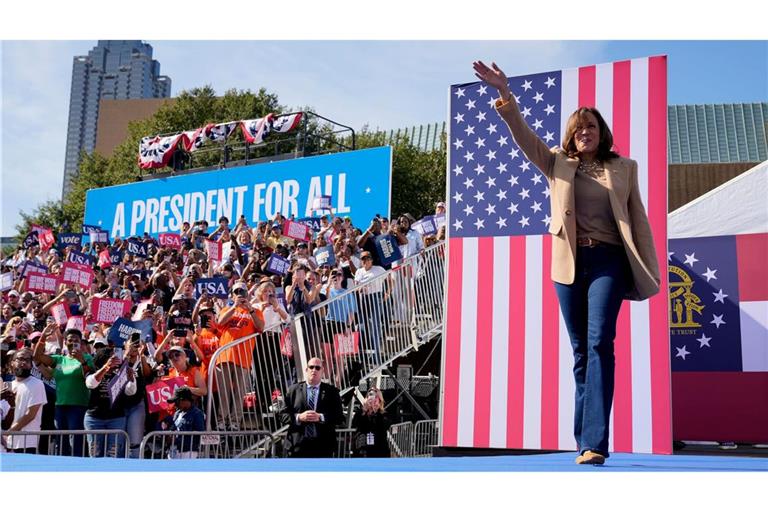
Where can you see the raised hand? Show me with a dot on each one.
(493, 76)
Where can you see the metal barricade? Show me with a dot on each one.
(425, 437)
(356, 334)
(345, 438)
(247, 380)
(400, 437)
(367, 327)
(70, 443)
(250, 444)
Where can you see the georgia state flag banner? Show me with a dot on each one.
(718, 303)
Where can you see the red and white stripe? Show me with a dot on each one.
(507, 360)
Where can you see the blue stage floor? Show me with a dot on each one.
(558, 462)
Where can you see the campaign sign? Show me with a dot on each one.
(296, 230)
(439, 220)
(141, 308)
(88, 229)
(137, 248)
(105, 260)
(31, 240)
(6, 281)
(99, 236)
(325, 256)
(171, 240)
(44, 236)
(115, 257)
(359, 182)
(312, 222)
(286, 345)
(76, 322)
(280, 296)
(214, 286)
(389, 251)
(31, 266)
(346, 344)
(321, 203)
(122, 329)
(67, 239)
(42, 283)
(425, 226)
(214, 250)
(79, 257)
(159, 392)
(108, 310)
(76, 273)
(117, 384)
(60, 313)
(277, 264)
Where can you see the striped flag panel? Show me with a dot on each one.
(507, 360)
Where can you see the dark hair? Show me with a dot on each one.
(102, 356)
(76, 332)
(604, 147)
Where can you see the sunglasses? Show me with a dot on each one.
(314, 367)
(176, 354)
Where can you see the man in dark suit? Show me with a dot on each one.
(312, 411)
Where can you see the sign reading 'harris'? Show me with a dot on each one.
(359, 183)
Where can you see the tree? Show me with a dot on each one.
(49, 214)
(418, 176)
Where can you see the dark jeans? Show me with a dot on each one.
(71, 417)
(590, 308)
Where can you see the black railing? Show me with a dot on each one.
(315, 135)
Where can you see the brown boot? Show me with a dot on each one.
(590, 457)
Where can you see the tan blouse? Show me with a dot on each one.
(594, 216)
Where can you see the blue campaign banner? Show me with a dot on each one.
(277, 264)
(79, 257)
(214, 286)
(115, 257)
(66, 239)
(137, 248)
(389, 251)
(325, 256)
(358, 181)
(425, 226)
(121, 331)
(312, 222)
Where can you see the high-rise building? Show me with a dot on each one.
(111, 70)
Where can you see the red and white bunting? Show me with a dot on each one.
(284, 124)
(156, 152)
(254, 130)
(193, 139)
(220, 132)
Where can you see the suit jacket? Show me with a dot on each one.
(626, 204)
(328, 404)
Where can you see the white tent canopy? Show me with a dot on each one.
(736, 207)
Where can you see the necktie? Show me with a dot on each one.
(311, 431)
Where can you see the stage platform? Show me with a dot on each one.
(553, 462)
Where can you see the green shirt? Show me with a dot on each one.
(70, 381)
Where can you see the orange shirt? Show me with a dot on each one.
(188, 375)
(239, 326)
(208, 341)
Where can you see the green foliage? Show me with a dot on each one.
(49, 214)
(418, 176)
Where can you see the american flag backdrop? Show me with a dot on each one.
(507, 361)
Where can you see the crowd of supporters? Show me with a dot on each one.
(67, 368)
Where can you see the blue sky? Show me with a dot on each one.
(385, 84)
